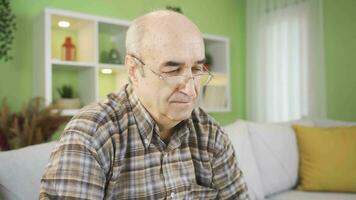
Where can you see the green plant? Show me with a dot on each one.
(174, 8)
(34, 124)
(66, 91)
(7, 28)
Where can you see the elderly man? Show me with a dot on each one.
(148, 141)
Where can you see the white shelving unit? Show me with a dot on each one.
(215, 97)
(95, 37)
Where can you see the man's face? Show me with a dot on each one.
(170, 54)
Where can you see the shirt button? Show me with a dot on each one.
(146, 141)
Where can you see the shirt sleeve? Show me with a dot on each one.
(73, 171)
(227, 177)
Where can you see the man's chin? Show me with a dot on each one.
(182, 106)
(180, 111)
(180, 115)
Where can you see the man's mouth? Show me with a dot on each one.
(181, 99)
(182, 102)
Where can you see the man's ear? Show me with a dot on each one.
(131, 65)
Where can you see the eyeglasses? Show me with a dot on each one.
(199, 73)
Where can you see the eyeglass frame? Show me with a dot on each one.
(162, 77)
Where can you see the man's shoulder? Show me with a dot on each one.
(201, 117)
(99, 117)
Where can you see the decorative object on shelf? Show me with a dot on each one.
(67, 100)
(208, 60)
(174, 8)
(8, 26)
(34, 124)
(114, 57)
(68, 50)
(111, 56)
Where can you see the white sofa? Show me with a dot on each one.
(21, 171)
(268, 156)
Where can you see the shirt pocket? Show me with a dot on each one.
(201, 192)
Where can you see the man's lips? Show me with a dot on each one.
(181, 102)
(181, 99)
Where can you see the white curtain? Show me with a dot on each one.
(285, 63)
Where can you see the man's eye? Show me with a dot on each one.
(173, 72)
(197, 69)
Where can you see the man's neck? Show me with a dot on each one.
(165, 124)
(166, 129)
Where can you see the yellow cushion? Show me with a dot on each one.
(327, 158)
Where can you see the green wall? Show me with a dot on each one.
(340, 58)
(224, 17)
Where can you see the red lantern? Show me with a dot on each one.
(68, 49)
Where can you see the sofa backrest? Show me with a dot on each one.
(275, 149)
(238, 134)
(21, 171)
(272, 148)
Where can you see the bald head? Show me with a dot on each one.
(165, 44)
(161, 26)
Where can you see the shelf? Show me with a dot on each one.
(81, 79)
(112, 82)
(112, 66)
(214, 97)
(82, 34)
(70, 64)
(217, 47)
(112, 43)
(100, 45)
(69, 112)
(219, 79)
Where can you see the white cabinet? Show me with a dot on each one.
(215, 97)
(96, 67)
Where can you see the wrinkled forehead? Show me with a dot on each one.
(173, 45)
(176, 38)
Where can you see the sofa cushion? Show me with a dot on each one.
(327, 158)
(21, 171)
(298, 195)
(239, 137)
(275, 148)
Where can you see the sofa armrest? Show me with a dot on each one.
(21, 171)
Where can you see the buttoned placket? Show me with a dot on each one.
(171, 146)
(170, 195)
(150, 135)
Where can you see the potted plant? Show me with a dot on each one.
(67, 100)
(33, 124)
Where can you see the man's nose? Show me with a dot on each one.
(189, 87)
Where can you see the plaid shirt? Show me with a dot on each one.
(112, 150)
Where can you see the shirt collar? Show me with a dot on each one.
(145, 123)
(181, 133)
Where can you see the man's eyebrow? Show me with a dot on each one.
(201, 61)
(175, 63)
(172, 63)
